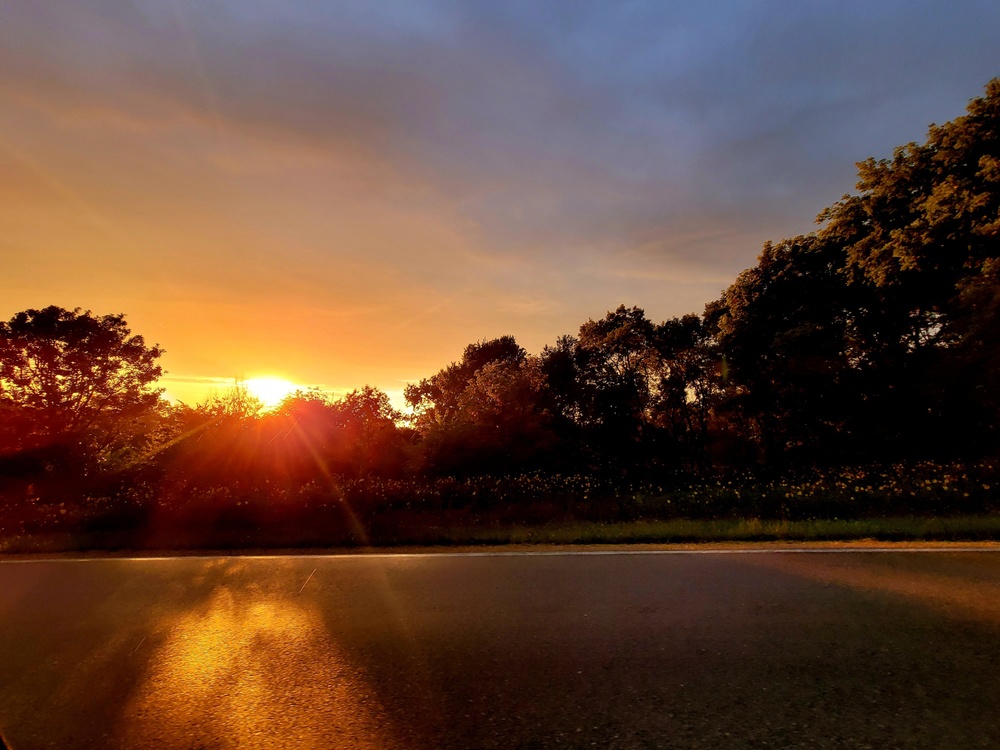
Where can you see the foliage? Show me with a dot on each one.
(309, 437)
(438, 399)
(690, 383)
(783, 326)
(485, 413)
(874, 336)
(847, 373)
(236, 403)
(70, 378)
(617, 361)
(891, 501)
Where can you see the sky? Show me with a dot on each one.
(349, 193)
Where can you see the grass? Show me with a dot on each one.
(964, 528)
(952, 528)
(923, 501)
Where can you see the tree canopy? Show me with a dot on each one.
(874, 334)
(71, 376)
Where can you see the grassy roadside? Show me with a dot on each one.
(900, 502)
(953, 528)
(959, 528)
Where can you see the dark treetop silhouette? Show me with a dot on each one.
(70, 377)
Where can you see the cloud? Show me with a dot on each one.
(537, 118)
(465, 169)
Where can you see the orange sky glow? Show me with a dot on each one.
(341, 197)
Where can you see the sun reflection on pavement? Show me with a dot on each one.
(252, 670)
(966, 592)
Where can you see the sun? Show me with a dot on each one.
(270, 391)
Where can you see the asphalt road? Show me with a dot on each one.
(836, 650)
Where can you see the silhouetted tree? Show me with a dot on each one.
(689, 385)
(873, 338)
(236, 403)
(619, 368)
(73, 379)
(922, 236)
(785, 332)
(437, 399)
(485, 413)
(372, 427)
(562, 381)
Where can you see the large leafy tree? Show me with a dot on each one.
(688, 388)
(371, 425)
(633, 395)
(877, 335)
(619, 369)
(923, 236)
(784, 327)
(438, 399)
(484, 413)
(929, 217)
(74, 378)
(618, 364)
(923, 226)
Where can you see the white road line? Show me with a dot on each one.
(502, 553)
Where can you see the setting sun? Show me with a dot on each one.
(270, 391)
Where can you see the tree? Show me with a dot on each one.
(236, 404)
(875, 337)
(562, 382)
(370, 422)
(930, 216)
(618, 366)
(437, 399)
(485, 413)
(688, 386)
(922, 239)
(502, 393)
(70, 377)
(784, 328)
(617, 352)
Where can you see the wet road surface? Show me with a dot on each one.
(834, 650)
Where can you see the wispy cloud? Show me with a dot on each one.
(363, 187)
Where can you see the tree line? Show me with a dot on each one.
(872, 339)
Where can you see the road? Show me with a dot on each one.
(826, 650)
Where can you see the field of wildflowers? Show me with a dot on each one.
(380, 511)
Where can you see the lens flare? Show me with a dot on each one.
(270, 391)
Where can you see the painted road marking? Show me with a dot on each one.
(513, 553)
